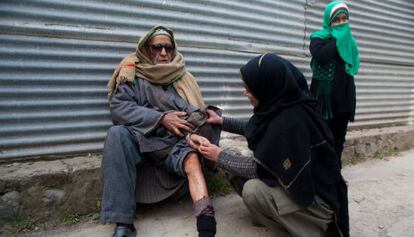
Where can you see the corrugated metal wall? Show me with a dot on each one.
(56, 57)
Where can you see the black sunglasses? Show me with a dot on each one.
(157, 48)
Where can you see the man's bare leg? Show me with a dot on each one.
(203, 208)
(196, 181)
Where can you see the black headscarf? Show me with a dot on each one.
(278, 85)
(291, 142)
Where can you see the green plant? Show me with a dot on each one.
(218, 185)
(66, 217)
(355, 159)
(18, 222)
(386, 153)
(97, 215)
(98, 205)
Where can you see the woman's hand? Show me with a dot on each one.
(203, 145)
(213, 117)
(209, 151)
(174, 122)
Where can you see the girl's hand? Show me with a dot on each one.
(209, 151)
(213, 117)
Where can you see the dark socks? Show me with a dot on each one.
(206, 223)
(206, 226)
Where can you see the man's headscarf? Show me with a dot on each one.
(138, 66)
(345, 42)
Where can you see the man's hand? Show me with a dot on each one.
(213, 117)
(174, 122)
(195, 141)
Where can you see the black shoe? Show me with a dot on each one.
(206, 226)
(123, 231)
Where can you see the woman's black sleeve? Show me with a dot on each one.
(242, 166)
(323, 52)
(234, 125)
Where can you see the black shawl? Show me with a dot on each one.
(290, 140)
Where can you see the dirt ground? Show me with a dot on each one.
(381, 201)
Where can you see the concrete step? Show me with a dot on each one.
(45, 191)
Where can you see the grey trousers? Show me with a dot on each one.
(272, 207)
(121, 157)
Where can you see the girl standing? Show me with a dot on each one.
(335, 62)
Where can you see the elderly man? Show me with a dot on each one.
(146, 158)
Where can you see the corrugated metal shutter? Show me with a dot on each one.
(56, 57)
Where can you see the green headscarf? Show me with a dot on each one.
(345, 42)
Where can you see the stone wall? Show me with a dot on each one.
(43, 190)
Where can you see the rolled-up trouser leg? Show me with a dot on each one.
(121, 155)
(272, 207)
